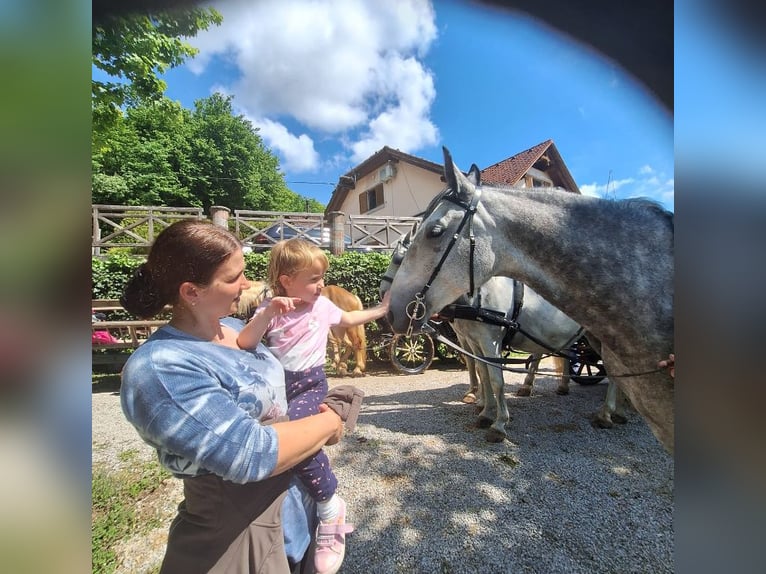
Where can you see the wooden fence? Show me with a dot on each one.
(137, 227)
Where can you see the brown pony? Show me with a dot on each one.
(345, 340)
(342, 340)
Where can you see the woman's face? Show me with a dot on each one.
(226, 286)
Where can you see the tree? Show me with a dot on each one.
(134, 50)
(159, 153)
(230, 165)
(142, 157)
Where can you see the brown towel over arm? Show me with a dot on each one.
(346, 400)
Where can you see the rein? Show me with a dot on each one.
(498, 361)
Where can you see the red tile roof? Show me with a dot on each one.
(511, 170)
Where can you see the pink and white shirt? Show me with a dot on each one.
(299, 338)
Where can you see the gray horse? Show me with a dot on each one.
(606, 264)
(539, 319)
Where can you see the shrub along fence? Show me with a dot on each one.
(359, 272)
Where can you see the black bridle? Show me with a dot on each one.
(416, 309)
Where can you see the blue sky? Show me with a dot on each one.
(329, 82)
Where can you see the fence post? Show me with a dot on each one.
(337, 221)
(220, 215)
(96, 233)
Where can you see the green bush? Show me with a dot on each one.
(359, 272)
(109, 275)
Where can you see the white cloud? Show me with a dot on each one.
(652, 187)
(297, 152)
(345, 68)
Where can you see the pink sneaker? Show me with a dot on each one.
(331, 543)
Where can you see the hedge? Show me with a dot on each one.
(359, 272)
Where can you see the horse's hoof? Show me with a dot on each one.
(494, 435)
(619, 419)
(357, 373)
(342, 373)
(469, 398)
(562, 391)
(600, 423)
(524, 392)
(483, 423)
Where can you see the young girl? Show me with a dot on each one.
(296, 323)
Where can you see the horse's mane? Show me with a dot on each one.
(633, 204)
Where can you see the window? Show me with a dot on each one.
(530, 181)
(371, 199)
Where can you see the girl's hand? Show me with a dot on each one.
(282, 305)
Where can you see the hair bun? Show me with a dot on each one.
(140, 296)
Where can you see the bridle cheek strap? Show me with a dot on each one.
(470, 210)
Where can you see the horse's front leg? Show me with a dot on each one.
(474, 393)
(613, 409)
(525, 390)
(336, 340)
(562, 367)
(359, 344)
(497, 432)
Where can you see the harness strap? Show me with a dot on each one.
(470, 209)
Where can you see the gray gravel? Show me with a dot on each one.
(427, 494)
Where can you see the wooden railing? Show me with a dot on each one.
(137, 226)
(134, 226)
(118, 336)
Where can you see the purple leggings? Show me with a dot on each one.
(305, 390)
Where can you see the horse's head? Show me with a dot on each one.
(396, 260)
(437, 267)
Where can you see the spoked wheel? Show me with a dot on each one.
(587, 368)
(413, 354)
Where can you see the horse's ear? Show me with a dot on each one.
(474, 174)
(456, 181)
(450, 170)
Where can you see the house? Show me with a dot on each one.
(391, 183)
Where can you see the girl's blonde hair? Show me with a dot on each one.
(292, 256)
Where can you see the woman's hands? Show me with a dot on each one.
(332, 415)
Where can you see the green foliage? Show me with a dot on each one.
(133, 50)
(256, 265)
(149, 150)
(159, 153)
(359, 272)
(109, 275)
(114, 498)
(228, 162)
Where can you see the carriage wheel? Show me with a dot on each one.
(412, 355)
(587, 368)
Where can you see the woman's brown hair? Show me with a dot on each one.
(188, 250)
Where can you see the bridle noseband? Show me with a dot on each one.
(416, 309)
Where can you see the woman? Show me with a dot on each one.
(216, 413)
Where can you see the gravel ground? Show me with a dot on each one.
(427, 494)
